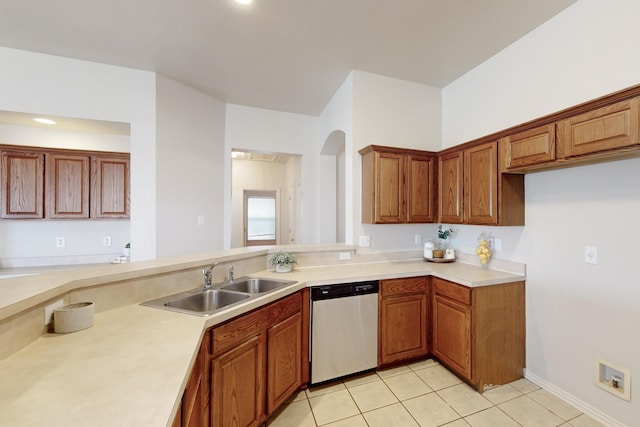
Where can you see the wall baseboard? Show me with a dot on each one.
(569, 398)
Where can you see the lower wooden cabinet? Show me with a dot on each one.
(402, 320)
(238, 384)
(284, 363)
(256, 363)
(479, 333)
(194, 407)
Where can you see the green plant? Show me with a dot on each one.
(128, 245)
(444, 233)
(283, 258)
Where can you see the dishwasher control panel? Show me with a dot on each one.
(341, 290)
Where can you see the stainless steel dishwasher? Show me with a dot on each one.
(344, 330)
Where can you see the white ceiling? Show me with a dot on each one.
(288, 55)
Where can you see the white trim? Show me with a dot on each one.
(569, 398)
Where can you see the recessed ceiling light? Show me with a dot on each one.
(244, 1)
(44, 121)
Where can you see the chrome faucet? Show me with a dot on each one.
(208, 273)
(230, 273)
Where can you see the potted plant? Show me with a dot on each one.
(127, 250)
(443, 235)
(283, 261)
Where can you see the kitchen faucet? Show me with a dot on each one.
(208, 273)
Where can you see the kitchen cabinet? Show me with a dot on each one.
(402, 320)
(22, 189)
(110, 187)
(398, 185)
(532, 147)
(479, 333)
(450, 173)
(472, 190)
(601, 130)
(194, 406)
(67, 186)
(256, 362)
(63, 184)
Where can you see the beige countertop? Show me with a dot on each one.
(130, 367)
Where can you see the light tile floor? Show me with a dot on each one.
(425, 394)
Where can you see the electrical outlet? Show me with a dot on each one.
(48, 311)
(200, 219)
(590, 254)
(417, 239)
(365, 241)
(106, 241)
(497, 245)
(344, 256)
(60, 242)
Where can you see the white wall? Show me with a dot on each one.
(575, 311)
(255, 129)
(394, 113)
(32, 242)
(190, 163)
(31, 82)
(336, 120)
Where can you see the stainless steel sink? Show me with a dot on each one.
(253, 285)
(200, 302)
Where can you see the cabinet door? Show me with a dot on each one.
(420, 189)
(451, 184)
(452, 334)
(608, 128)
(238, 385)
(22, 189)
(284, 360)
(481, 184)
(403, 328)
(389, 195)
(67, 185)
(110, 187)
(531, 147)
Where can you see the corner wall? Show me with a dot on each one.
(575, 311)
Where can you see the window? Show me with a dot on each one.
(259, 218)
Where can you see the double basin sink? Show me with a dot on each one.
(205, 302)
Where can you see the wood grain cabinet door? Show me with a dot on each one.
(67, 186)
(110, 187)
(22, 186)
(481, 184)
(237, 397)
(531, 147)
(604, 129)
(389, 194)
(450, 201)
(420, 189)
(452, 334)
(284, 360)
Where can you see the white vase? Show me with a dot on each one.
(283, 268)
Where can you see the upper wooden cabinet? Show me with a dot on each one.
(67, 186)
(398, 185)
(531, 147)
(109, 187)
(473, 191)
(608, 128)
(63, 184)
(450, 174)
(22, 187)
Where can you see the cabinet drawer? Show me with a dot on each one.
(531, 147)
(451, 290)
(409, 285)
(232, 333)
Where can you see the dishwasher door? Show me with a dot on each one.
(344, 336)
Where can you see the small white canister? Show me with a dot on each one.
(449, 254)
(73, 317)
(428, 249)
